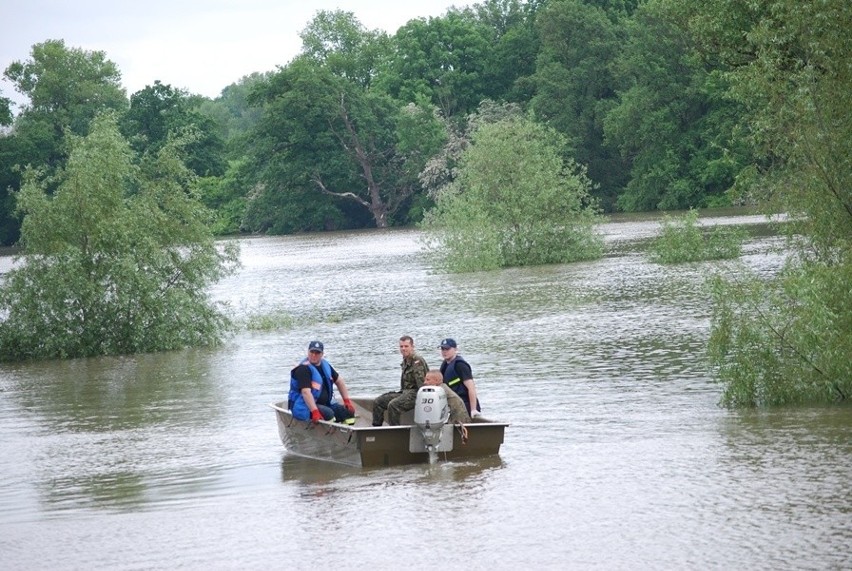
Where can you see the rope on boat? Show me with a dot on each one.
(462, 431)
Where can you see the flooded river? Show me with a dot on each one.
(617, 456)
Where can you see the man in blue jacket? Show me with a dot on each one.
(312, 389)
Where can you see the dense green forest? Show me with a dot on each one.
(343, 136)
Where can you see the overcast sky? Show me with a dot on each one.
(198, 45)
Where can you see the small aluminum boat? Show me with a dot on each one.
(420, 438)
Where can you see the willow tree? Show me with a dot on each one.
(117, 260)
(514, 201)
(787, 340)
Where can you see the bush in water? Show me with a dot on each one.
(514, 202)
(784, 340)
(682, 240)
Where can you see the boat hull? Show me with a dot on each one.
(365, 445)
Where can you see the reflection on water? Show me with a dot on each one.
(110, 429)
(617, 455)
(306, 471)
(114, 393)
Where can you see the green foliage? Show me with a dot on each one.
(158, 111)
(224, 197)
(279, 319)
(116, 261)
(785, 341)
(442, 59)
(807, 121)
(272, 321)
(5, 111)
(441, 169)
(331, 143)
(513, 47)
(66, 88)
(290, 210)
(232, 114)
(681, 240)
(420, 134)
(455, 61)
(338, 42)
(514, 202)
(674, 120)
(575, 86)
(10, 155)
(788, 340)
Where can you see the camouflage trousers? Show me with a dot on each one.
(458, 412)
(395, 403)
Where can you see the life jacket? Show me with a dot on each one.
(454, 381)
(299, 408)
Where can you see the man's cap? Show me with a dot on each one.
(316, 346)
(447, 343)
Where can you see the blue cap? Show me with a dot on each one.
(316, 346)
(447, 343)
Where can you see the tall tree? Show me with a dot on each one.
(232, 114)
(575, 87)
(5, 111)
(674, 121)
(159, 110)
(332, 137)
(338, 42)
(442, 59)
(65, 88)
(328, 138)
(787, 340)
(513, 48)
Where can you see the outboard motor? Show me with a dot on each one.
(431, 413)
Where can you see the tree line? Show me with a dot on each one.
(342, 135)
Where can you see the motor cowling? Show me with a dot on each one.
(431, 413)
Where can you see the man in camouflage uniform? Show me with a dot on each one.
(413, 374)
(458, 412)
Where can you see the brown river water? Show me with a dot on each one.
(617, 457)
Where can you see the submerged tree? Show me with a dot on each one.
(116, 261)
(515, 201)
(787, 340)
(682, 239)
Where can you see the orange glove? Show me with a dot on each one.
(316, 415)
(349, 406)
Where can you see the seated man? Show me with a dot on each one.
(458, 376)
(458, 412)
(397, 402)
(312, 389)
